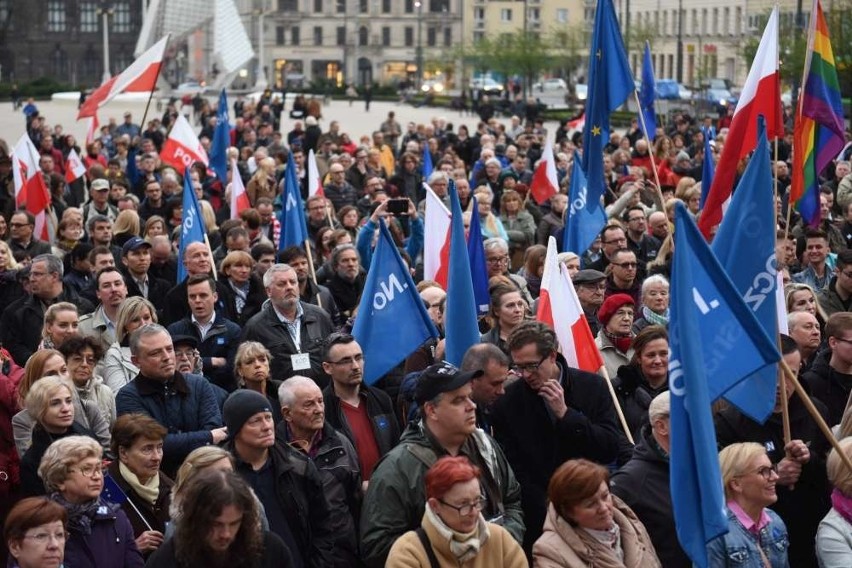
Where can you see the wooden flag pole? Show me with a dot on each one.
(650, 151)
(785, 408)
(603, 372)
(313, 270)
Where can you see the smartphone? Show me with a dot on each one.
(398, 206)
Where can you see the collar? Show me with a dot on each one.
(209, 324)
(309, 448)
(148, 387)
(300, 312)
(746, 521)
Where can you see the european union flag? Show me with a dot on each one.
(647, 96)
(426, 167)
(392, 321)
(221, 140)
(708, 168)
(460, 320)
(294, 231)
(112, 492)
(192, 223)
(751, 219)
(586, 217)
(478, 268)
(610, 83)
(716, 342)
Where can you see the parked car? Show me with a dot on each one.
(433, 86)
(552, 84)
(581, 91)
(669, 89)
(487, 85)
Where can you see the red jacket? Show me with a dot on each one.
(10, 375)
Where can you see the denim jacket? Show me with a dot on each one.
(739, 548)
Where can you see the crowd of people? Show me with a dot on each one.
(223, 419)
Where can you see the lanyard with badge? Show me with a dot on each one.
(299, 361)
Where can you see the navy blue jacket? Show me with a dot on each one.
(110, 545)
(222, 341)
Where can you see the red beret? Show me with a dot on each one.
(611, 305)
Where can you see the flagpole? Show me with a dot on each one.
(650, 152)
(313, 271)
(817, 417)
(151, 95)
(603, 372)
(785, 408)
(210, 250)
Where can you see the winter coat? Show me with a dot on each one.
(830, 301)
(613, 358)
(396, 496)
(86, 414)
(187, 407)
(829, 386)
(564, 545)
(254, 300)
(635, 395)
(588, 430)
(834, 541)
(521, 230)
(10, 463)
(275, 555)
(118, 370)
(643, 484)
(221, 340)
(110, 545)
(155, 515)
(31, 483)
(100, 395)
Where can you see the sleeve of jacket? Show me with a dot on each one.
(323, 538)
(414, 246)
(513, 515)
(209, 415)
(98, 424)
(832, 547)
(593, 434)
(364, 243)
(11, 337)
(132, 556)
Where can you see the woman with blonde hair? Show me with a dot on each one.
(801, 297)
(125, 227)
(262, 183)
(60, 322)
(69, 233)
(243, 292)
(490, 224)
(834, 536)
(209, 216)
(251, 368)
(156, 226)
(117, 364)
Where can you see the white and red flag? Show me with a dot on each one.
(140, 77)
(436, 246)
(314, 181)
(182, 148)
(761, 94)
(239, 197)
(559, 307)
(30, 188)
(544, 183)
(92, 129)
(74, 168)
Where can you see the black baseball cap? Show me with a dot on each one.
(440, 378)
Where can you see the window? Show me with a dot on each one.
(58, 61)
(88, 17)
(438, 5)
(431, 40)
(279, 35)
(409, 6)
(4, 11)
(340, 6)
(363, 6)
(738, 22)
(505, 14)
(386, 6)
(665, 29)
(317, 6)
(91, 61)
(317, 35)
(448, 37)
(478, 36)
(288, 5)
(120, 20)
(726, 21)
(386, 36)
(341, 35)
(363, 36)
(409, 36)
(534, 14)
(695, 22)
(56, 21)
(562, 15)
(295, 35)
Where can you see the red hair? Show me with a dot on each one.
(445, 473)
(573, 482)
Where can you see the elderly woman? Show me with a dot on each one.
(615, 338)
(655, 303)
(34, 532)
(99, 534)
(243, 291)
(60, 322)
(87, 415)
(571, 261)
(508, 309)
(834, 536)
(251, 367)
(82, 353)
(118, 367)
(586, 525)
(647, 375)
(50, 402)
(756, 534)
(137, 440)
(453, 531)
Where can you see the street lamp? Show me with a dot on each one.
(106, 11)
(418, 58)
(680, 41)
(261, 82)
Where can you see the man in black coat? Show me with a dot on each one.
(554, 414)
(347, 282)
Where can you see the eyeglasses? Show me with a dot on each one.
(636, 219)
(88, 470)
(465, 510)
(43, 538)
(19, 225)
(184, 354)
(497, 260)
(80, 359)
(842, 340)
(767, 471)
(348, 361)
(621, 241)
(846, 274)
(528, 368)
(594, 287)
(625, 264)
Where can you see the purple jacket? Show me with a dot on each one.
(111, 544)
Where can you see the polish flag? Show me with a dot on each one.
(436, 247)
(761, 95)
(74, 168)
(314, 181)
(239, 197)
(781, 305)
(544, 183)
(182, 148)
(30, 188)
(92, 129)
(140, 77)
(559, 307)
(578, 124)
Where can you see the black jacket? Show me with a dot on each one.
(536, 445)
(802, 508)
(643, 484)
(275, 554)
(140, 512)
(346, 294)
(268, 329)
(221, 341)
(381, 412)
(31, 484)
(23, 320)
(829, 386)
(321, 297)
(254, 300)
(177, 304)
(158, 289)
(635, 395)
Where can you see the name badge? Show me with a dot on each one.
(300, 361)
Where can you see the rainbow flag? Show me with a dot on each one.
(818, 134)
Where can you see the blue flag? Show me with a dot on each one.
(426, 166)
(460, 320)
(112, 492)
(392, 321)
(478, 268)
(715, 343)
(610, 82)
(751, 219)
(708, 168)
(647, 95)
(586, 217)
(192, 224)
(294, 231)
(221, 140)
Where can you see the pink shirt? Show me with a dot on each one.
(747, 521)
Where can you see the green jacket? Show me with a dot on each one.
(396, 497)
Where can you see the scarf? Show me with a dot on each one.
(621, 342)
(609, 538)
(149, 492)
(80, 515)
(842, 504)
(654, 318)
(463, 546)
